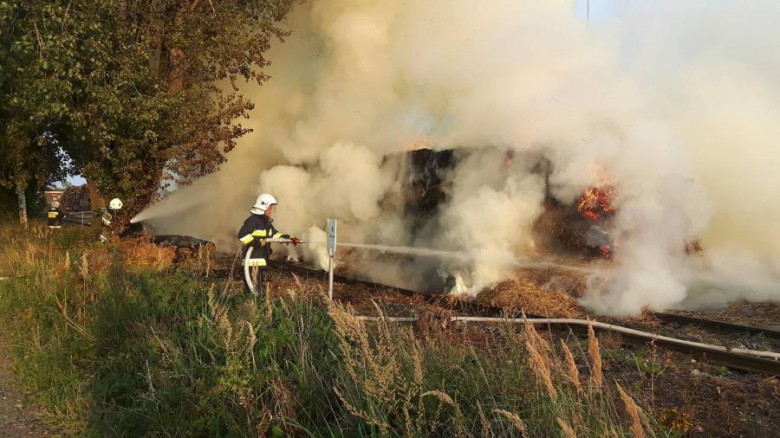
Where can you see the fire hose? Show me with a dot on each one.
(248, 256)
(650, 337)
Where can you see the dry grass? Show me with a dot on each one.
(516, 421)
(138, 252)
(201, 259)
(597, 374)
(571, 367)
(483, 421)
(565, 281)
(448, 400)
(142, 252)
(532, 299)
(540, 362)
(370, 419)
(568, 432)
(633, 413)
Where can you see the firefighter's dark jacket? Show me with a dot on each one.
(253, 233)
(54, 217)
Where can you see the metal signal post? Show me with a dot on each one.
(331, 254)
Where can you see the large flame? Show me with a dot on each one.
(596, 203)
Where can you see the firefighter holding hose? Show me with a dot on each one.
(254, 235)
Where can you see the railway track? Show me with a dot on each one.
(721, 327)
(744, 360)
(439, 300)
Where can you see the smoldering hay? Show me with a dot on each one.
(677, 102)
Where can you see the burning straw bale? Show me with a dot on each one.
(565, 281)
(523, 295)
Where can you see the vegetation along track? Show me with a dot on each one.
(747, 360)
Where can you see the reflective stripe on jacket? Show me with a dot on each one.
(253, 232)
(54, 217)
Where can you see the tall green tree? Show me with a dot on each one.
(30, 157)
(128, 90)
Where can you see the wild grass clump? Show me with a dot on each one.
(397, 384)
(132, 350)
(113, 348)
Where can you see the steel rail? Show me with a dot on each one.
(482, 310)
(79, 218)
(716, 325)
(462, 306)
(767, 362)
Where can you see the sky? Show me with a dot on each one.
(599, 9)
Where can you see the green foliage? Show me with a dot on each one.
(9, 202)
(646, 363)
(129, 91)
(116, 349)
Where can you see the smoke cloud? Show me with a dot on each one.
(676, 101)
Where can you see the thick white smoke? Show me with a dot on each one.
(683, 123)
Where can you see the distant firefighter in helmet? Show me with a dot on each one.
(257, 228)
(55, 216)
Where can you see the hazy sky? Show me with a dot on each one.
(599, 9)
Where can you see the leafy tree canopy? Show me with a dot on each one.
(127, 90)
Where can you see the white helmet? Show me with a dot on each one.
(115, 204)
(263, 202)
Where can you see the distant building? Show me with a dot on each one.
(76, 199)
(53, 196)
(71, 199)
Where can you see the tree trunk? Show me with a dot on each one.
(121, 9)
(177, 59)
(96, 201)
(177, 70)
(22, 208)
(155, 53)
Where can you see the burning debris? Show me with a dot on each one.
(596, 205)
(523, 295)
(580, 227)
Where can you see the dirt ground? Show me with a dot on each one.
(17, 415)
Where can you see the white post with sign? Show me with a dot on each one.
(331, 254)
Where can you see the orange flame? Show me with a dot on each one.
(596, 202)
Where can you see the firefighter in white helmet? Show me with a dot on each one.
(110, 219)
(256, 229)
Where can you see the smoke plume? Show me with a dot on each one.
(676, 101)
